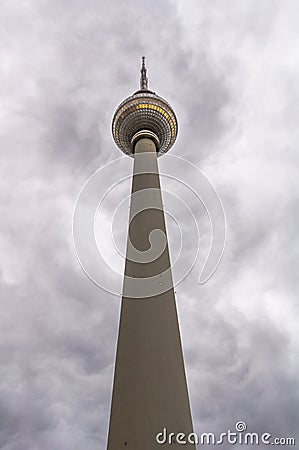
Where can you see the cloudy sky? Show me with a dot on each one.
(230, 70)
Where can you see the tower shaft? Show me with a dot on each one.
(150, 389)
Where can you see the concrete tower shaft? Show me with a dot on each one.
(150, 390)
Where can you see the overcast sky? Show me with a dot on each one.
(230, 70)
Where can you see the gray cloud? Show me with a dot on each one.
(230, 71)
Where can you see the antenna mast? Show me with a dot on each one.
(143, 78)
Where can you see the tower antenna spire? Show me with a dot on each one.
(143, 78)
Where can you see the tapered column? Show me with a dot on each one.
(150, 390)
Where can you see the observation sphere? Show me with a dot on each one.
(144, 111)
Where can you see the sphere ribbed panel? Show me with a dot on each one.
(144, 111)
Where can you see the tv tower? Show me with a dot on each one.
(150, 391)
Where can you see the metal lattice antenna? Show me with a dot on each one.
(143, 78)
